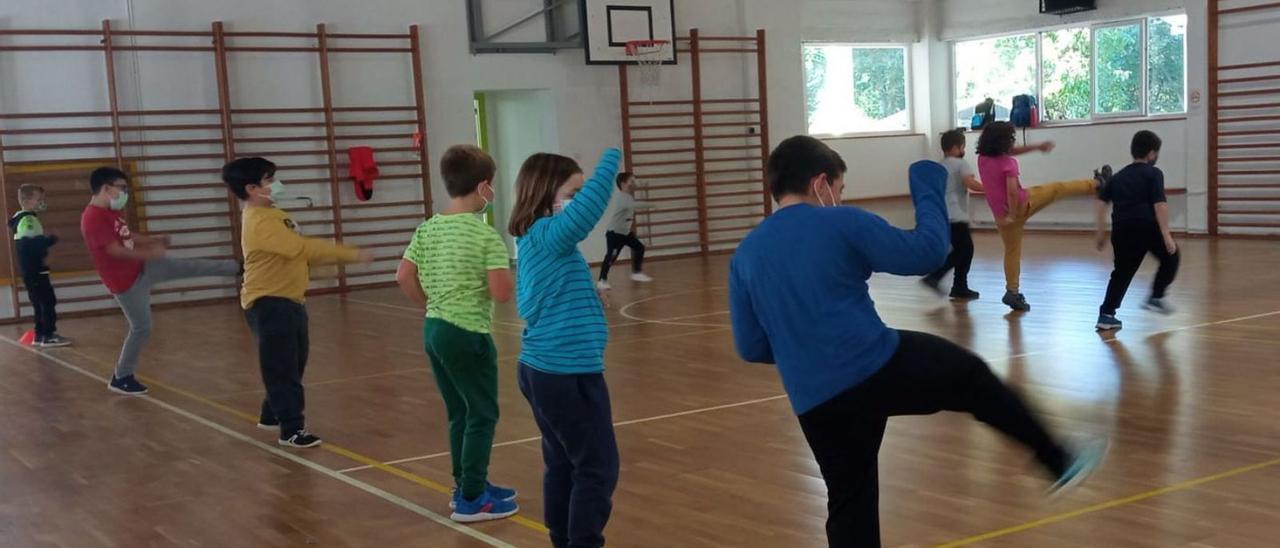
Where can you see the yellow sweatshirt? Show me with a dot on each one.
(277, 259)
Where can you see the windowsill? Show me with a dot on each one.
(850, 136)
(1102, 122)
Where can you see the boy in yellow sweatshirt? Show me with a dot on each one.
(277, 261)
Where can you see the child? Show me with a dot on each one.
(31, 247)
(130, 265)
(621, 234)
(845, 372)
(455, 267)
(1011, 204)
(562, 360)
(960, 181)
(276, 274)
(1139, 225)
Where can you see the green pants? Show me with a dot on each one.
(465, 365)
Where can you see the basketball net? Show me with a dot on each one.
(648, 56)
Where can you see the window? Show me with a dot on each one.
(856, 89)
(1128, 68)
(998, 68)
(1067, 54)
(1167, 64)
(1118, 69)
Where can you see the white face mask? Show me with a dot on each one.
(488, 202)
(561, 205)
(831, 193)
(277, 191)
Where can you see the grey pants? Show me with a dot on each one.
(136, 302)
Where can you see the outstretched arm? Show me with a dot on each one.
(574, 224)
(911, 252)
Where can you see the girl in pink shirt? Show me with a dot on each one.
(1011, 204)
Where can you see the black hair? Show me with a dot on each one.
(464, 167)
(1145, 142)
(796, 161)
(105, 176)
(997, 139)
(623, 176)
(242, 172)
(952, 138)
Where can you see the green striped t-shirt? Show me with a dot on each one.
(454, 254)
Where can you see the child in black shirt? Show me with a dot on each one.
(1139, 225)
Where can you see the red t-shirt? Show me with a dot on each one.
(101, 226)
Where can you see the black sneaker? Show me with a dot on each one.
(302, 439)
(1103, 176)
(269, 423)
(128, 386)
(1016, 301)
(964, 294)
(1108, 322)
(53, 341)
(1155, 305)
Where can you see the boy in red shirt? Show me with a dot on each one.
(130, 265)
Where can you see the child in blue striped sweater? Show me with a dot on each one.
(562, 359)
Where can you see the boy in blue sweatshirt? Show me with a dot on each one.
(846, 372)
(562, 357)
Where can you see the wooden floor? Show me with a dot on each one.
(711, 454)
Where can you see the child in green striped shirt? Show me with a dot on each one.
(456, 266)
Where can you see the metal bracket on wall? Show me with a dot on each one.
(554, 14)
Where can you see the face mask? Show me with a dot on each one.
(1153, 161)
(830, 193)
(277, 190)
(41, 207)
(488, 203)
(561, 205)
(119, 202)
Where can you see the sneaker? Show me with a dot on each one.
(603, 285)
(1103, 176)
(1158, 305)
(302, 439)
(269, 424)
(498, 493)
(483, 508)
(1016, 301)
(932, 284)
(1085, 462)
(1108, 322)
(53, 341)
(641, 277)
(964, 294)
(128, 386)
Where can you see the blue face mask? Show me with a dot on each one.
(277, 191)
(120, 201)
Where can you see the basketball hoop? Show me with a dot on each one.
(648, 56)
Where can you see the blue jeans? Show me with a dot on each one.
(579, 452)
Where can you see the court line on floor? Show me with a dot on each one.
(624, 310)
(616, 424)
(1180, 486)
(326, 446)
(370, 489)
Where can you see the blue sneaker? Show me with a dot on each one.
(498, 493)
(483, 508)
(1086, 460)
(1108, 321)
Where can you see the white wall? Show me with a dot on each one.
(520, 123)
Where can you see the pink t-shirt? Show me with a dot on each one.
(995, 172)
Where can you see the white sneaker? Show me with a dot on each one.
(641, 277)
(603, 285)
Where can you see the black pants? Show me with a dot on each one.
(926, 375)
(280, 328)
(1131, 241)
(616, 242)
(579, 452)
(43, 302)
(960, 258)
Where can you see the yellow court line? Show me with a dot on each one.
(328, 446)
(1181, 486)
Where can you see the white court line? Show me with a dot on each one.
(622, 423)
(624, 310)
(398, 501)
(780, 396)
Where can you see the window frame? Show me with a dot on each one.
(1143, 113)
(908, 84)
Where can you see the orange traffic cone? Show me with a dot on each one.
(28, 338)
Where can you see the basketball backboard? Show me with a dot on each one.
(607, 26)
